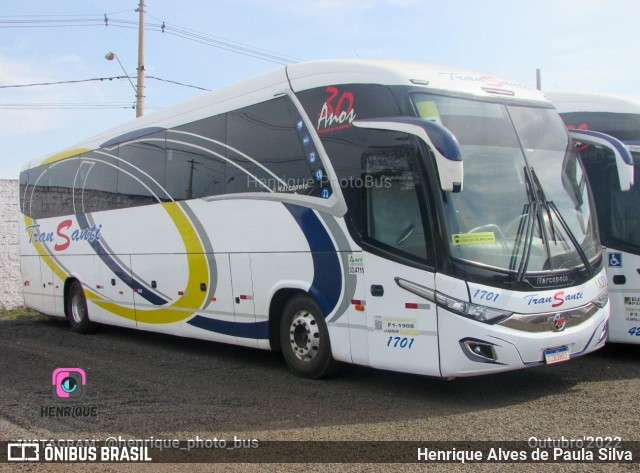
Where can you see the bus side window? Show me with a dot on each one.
(96, 186)
(39, 188)
(195, 159)
(393, 213)
(60, 192)
(25, 195)
(271, 151)
(142, 170)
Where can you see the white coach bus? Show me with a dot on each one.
(320, 210)
(618, 212)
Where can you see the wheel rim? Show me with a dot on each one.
(304, 335)
(78, 308)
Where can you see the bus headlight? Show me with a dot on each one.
(481, 313)
(601, 300)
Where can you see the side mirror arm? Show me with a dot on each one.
(622, 155)
(440, 141)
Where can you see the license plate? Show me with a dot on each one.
(556, 355)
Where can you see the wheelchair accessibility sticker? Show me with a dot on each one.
(615, 260)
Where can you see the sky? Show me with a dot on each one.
(585, 45)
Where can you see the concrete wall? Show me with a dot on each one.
(10, 285)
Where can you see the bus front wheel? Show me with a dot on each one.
(77, 310)
(304, 339)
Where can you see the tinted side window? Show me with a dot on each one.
(334, 108)
(60, 195)
(345, 148)
(270, 150)
(38, 190)
(25, 196)
(96, 183)
(394, 201)
(142, 170)
(196, 159)
(47, 190)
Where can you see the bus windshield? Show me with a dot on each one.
(525, 206)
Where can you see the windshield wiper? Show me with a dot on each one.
(528, 224)
(526, 227)
(581, 253)
(542, 200)
(550, 206)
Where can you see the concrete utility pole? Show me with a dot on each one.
(538, 79)
(140, 82)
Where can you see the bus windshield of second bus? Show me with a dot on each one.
(617, 208)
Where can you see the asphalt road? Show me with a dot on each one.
(145, 385)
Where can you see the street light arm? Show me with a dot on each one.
(110, 56)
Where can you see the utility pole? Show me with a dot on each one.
(140, 82)
(538, 79)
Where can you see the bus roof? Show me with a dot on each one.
(307, 75)
(568, 102)
(387, 72)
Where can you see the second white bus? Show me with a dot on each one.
(618, 211)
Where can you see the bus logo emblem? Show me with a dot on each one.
(559, 323)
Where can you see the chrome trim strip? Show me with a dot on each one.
(545, 322)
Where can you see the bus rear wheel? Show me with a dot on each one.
(304, 339)
(77, 310)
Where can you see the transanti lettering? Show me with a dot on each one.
(485, 80)
(63, 236)
(556, 300)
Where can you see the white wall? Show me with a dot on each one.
(10, 285)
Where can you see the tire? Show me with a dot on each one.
(77, 311)
(304, 339)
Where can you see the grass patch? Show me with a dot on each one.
(21, 313)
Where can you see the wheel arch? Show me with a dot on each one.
(67, 286)
(276, 307)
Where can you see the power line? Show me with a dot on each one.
(61, 82)
(97, 79)
(55, 21)
(177, 83)
(76, 15)
(65, 106)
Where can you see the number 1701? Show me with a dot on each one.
(400, 342)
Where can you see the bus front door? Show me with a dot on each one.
(402, 326)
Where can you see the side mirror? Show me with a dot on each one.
(622, 155)
(441, 141)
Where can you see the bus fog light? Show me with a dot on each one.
(480, 349)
